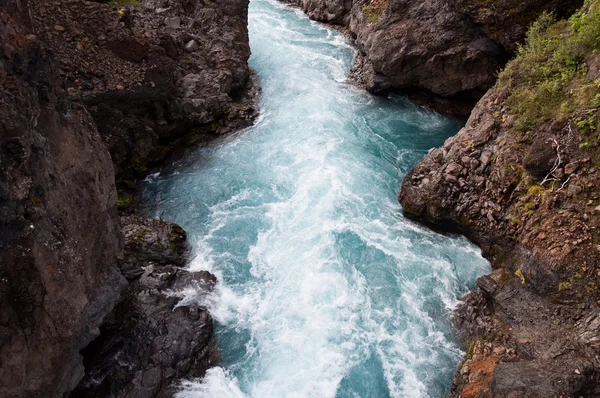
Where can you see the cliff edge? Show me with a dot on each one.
(521, 180)
(60, 234)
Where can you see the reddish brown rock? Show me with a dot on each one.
(538, 311)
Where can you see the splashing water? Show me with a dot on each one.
(325, 289)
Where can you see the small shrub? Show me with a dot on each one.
(374, 11)
(586, 125)
(547, 79)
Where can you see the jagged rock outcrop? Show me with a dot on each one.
(540, 312)
(152, 339)
(451, 49)
(522, 182)
(152, 73)
(59, 230)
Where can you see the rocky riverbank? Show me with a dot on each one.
(521, 180)
(444, 54)
(94, 97)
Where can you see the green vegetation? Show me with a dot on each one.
(139, 168)
(535, 191)
(374, 11)
(547, 79)
(586, 125)
(565, 285)
(124, 201)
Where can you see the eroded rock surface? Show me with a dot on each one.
(152, 74)
(90, 90)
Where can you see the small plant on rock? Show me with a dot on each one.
(374, 11)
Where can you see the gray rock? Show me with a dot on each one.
(173, 22)
(191, 46)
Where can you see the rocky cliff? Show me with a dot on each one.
(444, 53)
(152, 339)
(152, 72)
(90, 91)
(60, 235)
(521, 180)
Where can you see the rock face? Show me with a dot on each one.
(451, 49)
(88, 91)
(535, 319)
(59, 230)
(152, 74)
(152, 339)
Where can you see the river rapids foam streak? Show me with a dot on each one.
(325, 289)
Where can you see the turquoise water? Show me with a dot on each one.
(325, 289)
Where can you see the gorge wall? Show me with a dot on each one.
(521, 180)
(90, 92)
(445, 54)
(60, 235)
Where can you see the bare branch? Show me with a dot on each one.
(550, 176)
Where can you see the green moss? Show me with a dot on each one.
(374, 11)
(536, 191)
(124, 201)
(139, 168)
(548, 79)
(565, 285)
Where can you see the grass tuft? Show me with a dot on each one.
(547, 79)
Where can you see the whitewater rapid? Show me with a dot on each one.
(325, 290)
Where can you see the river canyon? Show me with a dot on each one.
(325, 290)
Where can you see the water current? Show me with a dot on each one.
(325, 290)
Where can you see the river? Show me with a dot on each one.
(325, 289)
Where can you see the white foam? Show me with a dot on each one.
(298, 219)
